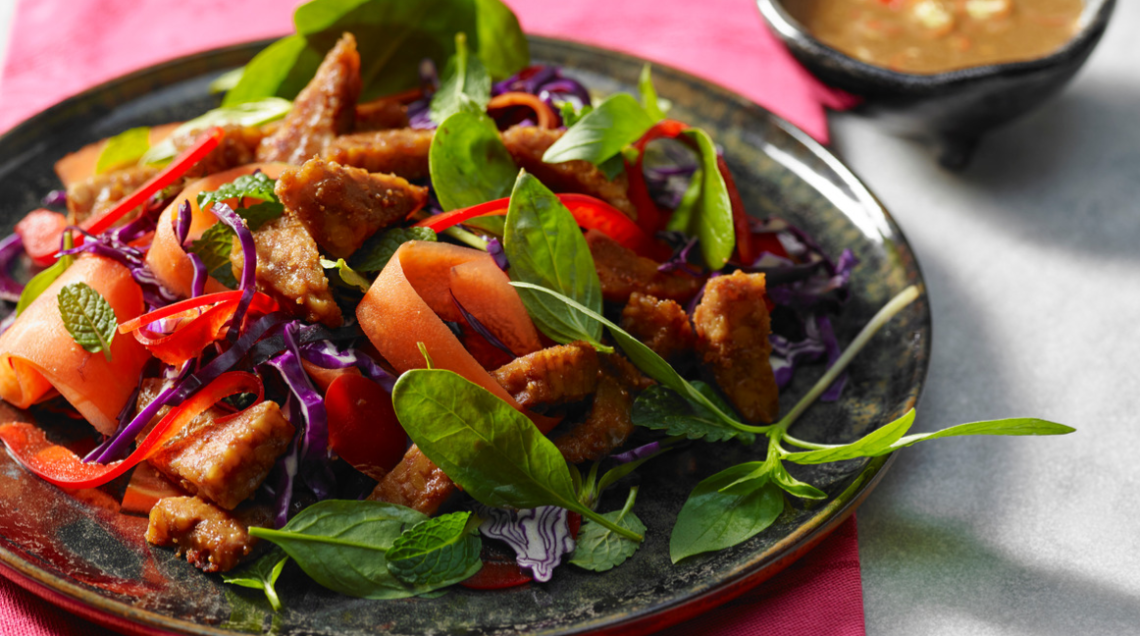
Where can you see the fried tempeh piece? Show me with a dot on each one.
(289, 270)
(623, 272)
(415, 482)
(381, 114)
(238, 147)
(342, 206)
(324, 109)
(100, 192)
(212, 539)
(527, 144)
(732, 326)
(555, 375)
(609, 423)
(402, 152)
(662, 325)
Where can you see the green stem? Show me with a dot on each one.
(809, 445)
(609, 525)
(628, 503)
(904, 298)
(465, 237)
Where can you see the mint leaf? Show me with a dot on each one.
(88, 317)
(545, 247)
(660, 408)
(603, 132)
(215, 248)
(600, 549)
(436, 552)
(378, 250)
(253, 113)
(346, 273)
(254, 186)
(259, 214)
(342, 545)
(262, 575)
(124, 149)
(464, 86)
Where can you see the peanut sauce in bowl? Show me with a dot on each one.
(935, 36)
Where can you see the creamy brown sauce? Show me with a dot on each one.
(934, 36)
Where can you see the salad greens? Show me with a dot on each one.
(254, 113)
(465, 85)
(470, 165)
(709, 217)
(602, 133)
(88, 317)
(436, 552)
(262, 575)
(600, 549)
(393, 36)
(123, 149)
(378, 250)
(215, 246)
(41, 281)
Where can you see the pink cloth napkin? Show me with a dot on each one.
(60, 47)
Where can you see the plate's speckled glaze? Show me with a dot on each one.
(77, 551)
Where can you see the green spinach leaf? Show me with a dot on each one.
(343, 545)
(599, 549)
(88, 317)
(710, 218)
(124, 149)
(660, 408)
(714, 518)
(392, 36)
(603, 132)
(437, 552)
(347, 275)
(262, 575)
(464, 86)
(487, 447)
(469, 163)
(545, 247)
(378, 250)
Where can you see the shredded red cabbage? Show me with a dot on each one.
(230, 357)
(248, 282)
(315, 439)
(635, 454)
(481, 329)
(182, 222)
(495, 249)
(539, 536)
(118, 445)
(198, 284)
(827, 334)
(549, 84)
(325, 354)
(10, 250)
(109, 246)
(680, 260)
(55, 198)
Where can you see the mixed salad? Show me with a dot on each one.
(405, 326)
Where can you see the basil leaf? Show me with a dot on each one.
(40, 282)
(714, 520)
(253, 113)
(646, 359)
(378, 250)
(600, 549)
(464, 86)
(124, 149)
(215, 247)
(603, 132)
(347, 275)
(88, 317)
(660, 408)
(262, 575)
(437, 552)
(570, 116)
(710, 219)
(1007, 427)
(255, 186)
(342, 545)
(545, 247)
(469, 163)
(654, 107)
(791, 485)
(483, 444)
(393, 37)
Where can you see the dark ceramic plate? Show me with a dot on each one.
(78, 552)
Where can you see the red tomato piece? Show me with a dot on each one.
(363, 428)
(41, 231)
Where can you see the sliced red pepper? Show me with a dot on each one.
(147, 487)
(40, 231)
(500, 570)
(58, 465)
(179, 307)
(649, 216)
(205, 143)
(745, 250)
(542, 112)
(591, 213)
(201, 329)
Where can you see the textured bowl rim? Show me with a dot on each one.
(124, 618)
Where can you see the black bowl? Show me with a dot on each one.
(952, 109)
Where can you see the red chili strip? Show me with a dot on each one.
(60, 466)
(745, 250)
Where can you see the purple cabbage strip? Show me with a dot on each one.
(539, 536)
(198, 285)
(182, 221)
(7, 322)
(481, 329)
(134, 259)
(827, 334)
(495, 249)
(635, 454)
(55, 198)
(10, 249)
(325, 354)
(315, 440)
(232, 356)
(288, 466)
(680, 260)
(248, 281)
(787, 355)
(116, 447)
(827, 290)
